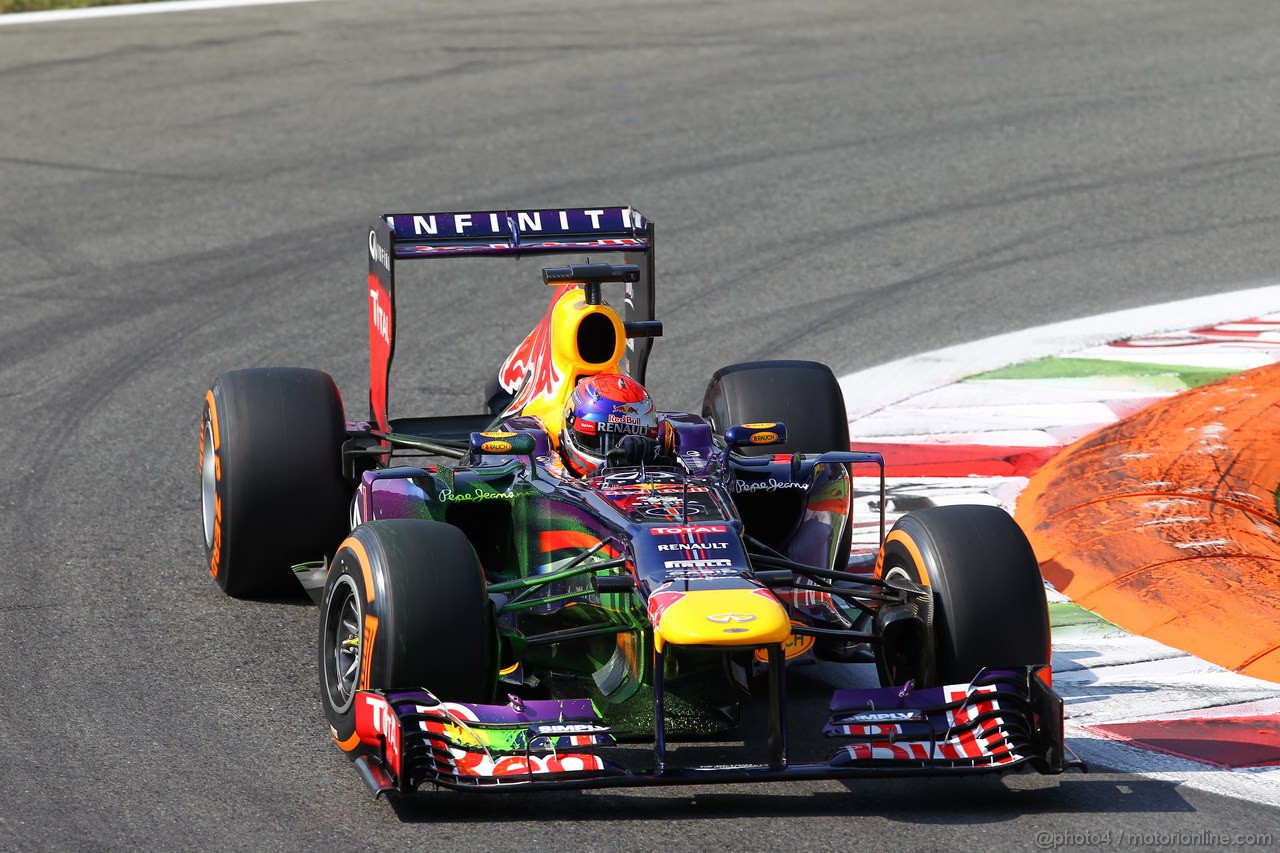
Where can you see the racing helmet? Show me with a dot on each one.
(600, 411)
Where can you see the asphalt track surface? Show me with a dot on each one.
(183, 194)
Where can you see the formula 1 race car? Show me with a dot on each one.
(514, 599)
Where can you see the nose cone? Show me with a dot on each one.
(721, 617)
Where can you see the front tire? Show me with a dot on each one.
(272, 490)
(406, 607)
(989, 606)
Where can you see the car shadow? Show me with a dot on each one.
(971, 801)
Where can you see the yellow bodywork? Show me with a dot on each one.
(723, 617)
(570, 312)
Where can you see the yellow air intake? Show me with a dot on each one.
(585, 340)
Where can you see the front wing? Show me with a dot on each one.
(1004, 720)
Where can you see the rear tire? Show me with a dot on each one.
(272, 490)
(405, 607)
(804, 395)
(989, 606)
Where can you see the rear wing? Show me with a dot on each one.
(397, 237)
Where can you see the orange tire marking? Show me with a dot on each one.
(362, 557)
(366, 649)
(213, 419)
(370, 627)
(908, 543)
(215, 558)
(348, 744)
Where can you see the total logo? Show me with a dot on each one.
(689, 529)
(378, 315)
(374, 717)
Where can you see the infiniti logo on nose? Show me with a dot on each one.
(722, 618)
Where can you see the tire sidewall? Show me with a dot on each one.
(212, 522)
(426, 621)
(275, 435)
(351, 569)
(989, 605)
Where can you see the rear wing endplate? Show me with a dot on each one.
(397, 237)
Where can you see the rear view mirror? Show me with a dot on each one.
(501, 443)
(755, 435)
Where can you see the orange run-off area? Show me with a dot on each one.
(1165, 522)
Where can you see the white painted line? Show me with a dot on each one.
(1123, 678)
(909, 420)
(1105, 675)
(1224, 356)
(135, 9)
(876, 387)
(864, 434)
(1258, 785)
(1026, 392)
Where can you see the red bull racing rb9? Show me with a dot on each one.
(561, 589)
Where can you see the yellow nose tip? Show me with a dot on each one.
(723, 617)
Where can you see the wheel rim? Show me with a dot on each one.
(208, 486)
(902, 665)
(899, 572)
(343, 644)
(895, 665)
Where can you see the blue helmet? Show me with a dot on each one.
(600, 411)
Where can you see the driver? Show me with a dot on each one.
(600, 411)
